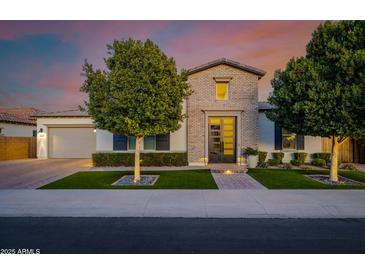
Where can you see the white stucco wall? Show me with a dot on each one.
(17, 130)
(45, 123)
(104, 139)
(267, 138)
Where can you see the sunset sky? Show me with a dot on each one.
(40, 61)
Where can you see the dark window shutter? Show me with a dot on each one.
(119, 142)
(278, 138)
(163, 142)
(300, 142)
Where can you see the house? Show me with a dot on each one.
(18, 122)
(224, 116)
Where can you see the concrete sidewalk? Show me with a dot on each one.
(184, 203)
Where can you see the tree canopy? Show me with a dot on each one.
(323, 93)
(139, 94)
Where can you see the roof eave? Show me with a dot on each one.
(260, 73)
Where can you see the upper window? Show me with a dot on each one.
(289, 139)
(221, 91)
(34, 133)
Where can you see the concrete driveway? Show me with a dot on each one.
(34, 173)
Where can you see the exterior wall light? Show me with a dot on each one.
(41, 133)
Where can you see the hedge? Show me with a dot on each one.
(323, 155)
(300, 157)
(278, 156)
(147, 159)
(262, 156)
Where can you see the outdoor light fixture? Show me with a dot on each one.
(228, 171)
(41, 133)
(94, 130)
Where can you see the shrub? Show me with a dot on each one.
(147, 159)
(323, 155)
(300, 157)
(273, 162)
(251, 151)
(318, 162)
(295, 162)
(263, 165)
(348, 166)
(278, 156)
(262, 156)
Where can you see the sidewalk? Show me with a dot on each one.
(184, 203)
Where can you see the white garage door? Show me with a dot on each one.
(71, 142)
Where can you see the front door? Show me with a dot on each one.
(222, 139)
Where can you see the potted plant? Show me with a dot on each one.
(252, 157)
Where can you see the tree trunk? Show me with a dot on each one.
(334, 160)
(137, 166)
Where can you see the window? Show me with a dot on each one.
(289, 139)
(149, 143)
(131, 142)
(163, 142)
(119, 142)
(34, 133)
(1, 130)
(221, 91)
(284, 139)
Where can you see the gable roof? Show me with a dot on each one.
(228, 62)
(18, 115)
(64, 113)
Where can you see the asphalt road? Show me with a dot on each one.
(183, 235)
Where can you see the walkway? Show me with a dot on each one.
(184, 203)
(236, 181)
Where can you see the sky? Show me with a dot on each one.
(41, 61)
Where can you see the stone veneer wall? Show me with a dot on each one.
(242, 96)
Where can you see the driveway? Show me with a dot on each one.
(33, 173)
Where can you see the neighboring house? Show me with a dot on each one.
(224, 116)
(18, 122)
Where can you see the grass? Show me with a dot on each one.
(181, 179)
(295, 179)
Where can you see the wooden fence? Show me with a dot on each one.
(12, 148)
(345, 149)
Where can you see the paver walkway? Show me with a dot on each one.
(236, 181)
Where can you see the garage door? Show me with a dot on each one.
(71, 142)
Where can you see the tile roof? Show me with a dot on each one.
(19, 115)
(64, 113)
(225, 61)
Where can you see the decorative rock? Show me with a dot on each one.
(146, 180)
(325, 179)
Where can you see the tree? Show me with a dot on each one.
(323, 93)
(139, 94)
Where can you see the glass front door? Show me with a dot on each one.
(222, 139)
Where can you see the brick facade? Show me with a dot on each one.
(242, 102)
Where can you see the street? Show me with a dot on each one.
(182, 235)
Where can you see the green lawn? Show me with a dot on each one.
(295, 179)
(182, 179)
